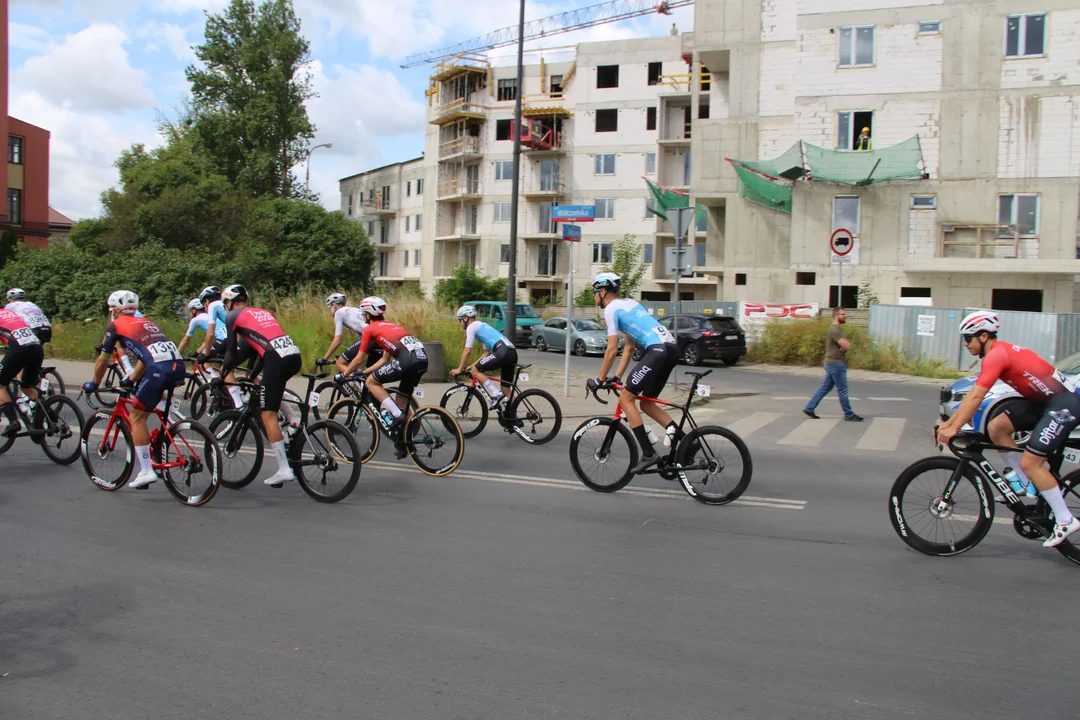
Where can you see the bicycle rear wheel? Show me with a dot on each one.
(51, 383)
(1070, 490)
(107, 460)
(603, 454)
(433, 440)
(931, 525)
(714, 465)
(242, 448)
(321, 473)
(63, 424)
(361, 425)
(469, 408)
(538, 415)
(197, 480)
(106, 393)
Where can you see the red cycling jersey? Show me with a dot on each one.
(392, 338)
(140, 338)
(1025, 371)
(260, 328)
(14, 330)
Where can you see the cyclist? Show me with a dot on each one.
(345, 317)
(1050, 410)
(651, 374)
(23, 355)
(213, 344)
(30, 313)
(403, 359)
(159, 366)
(502, 355)
(278, 359)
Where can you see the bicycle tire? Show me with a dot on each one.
(209, 400)
(91, 447)
(56, 383)
(1070, 487)
(51, 406)
(617, 428)
(534, 416)
(329, 394)
(461, 401)
(427, 420)
(905, 525)
(6, 442)
(192, 382)
(232, 429)
(686, 455)
(206, 450)
(111, 381)
(325, 453)
(361, 425)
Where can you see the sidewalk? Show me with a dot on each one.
(864, 375)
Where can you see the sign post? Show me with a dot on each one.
(680, 220)
(841, 243)
(571, 233)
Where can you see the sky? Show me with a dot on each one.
(99, 74)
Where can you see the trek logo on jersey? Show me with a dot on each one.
(1038, 384)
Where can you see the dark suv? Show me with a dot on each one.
(707, 337)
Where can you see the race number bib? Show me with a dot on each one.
(37, 321)
(284, 346)
(411, 343)
(163, 351)
(664, 334)
(24, 336)
(1069, 383)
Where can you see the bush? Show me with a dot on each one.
(466, 284)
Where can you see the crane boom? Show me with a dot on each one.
(605, 12)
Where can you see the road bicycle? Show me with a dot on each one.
(323, 454)
(183, 450)
(327, 393)
(603, 453)
(430, 436)
(54, 421)
(533, 414)
(51, 383)
(944, 505)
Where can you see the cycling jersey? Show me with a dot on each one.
(392, 338)
(141, 339)
(628, 316)
(14, 332)
(261, 329)
(1023, 370)
(23, 354)
(217, 314)
(202, 322)
(29, 312)
(349, 317)
(488, 335)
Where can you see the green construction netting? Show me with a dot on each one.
(757, 188)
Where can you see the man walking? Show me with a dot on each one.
(836, 347)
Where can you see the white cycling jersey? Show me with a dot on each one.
(349, 317)
(30, 313)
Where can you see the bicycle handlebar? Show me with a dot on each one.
(611, 386)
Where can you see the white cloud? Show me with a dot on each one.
(88, 71)
(172, 37)
(179, 7)
(29, 38)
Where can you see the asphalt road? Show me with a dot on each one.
(509, 591)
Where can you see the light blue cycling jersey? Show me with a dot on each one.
(217, 314)
(202, 322)
(628, 316)
(488, 335)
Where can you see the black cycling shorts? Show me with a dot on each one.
(44, 334)
(652, 373)
(501, 356)
(22, 358)
(408, 368)
(1050, 424)
(217, 349)
(276, 372)
(159, 378)
(353, 350)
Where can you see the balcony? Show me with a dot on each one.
(459, 189)
(456, 231)
(456, 110)
(544, 261)
(461, 148)
(544, 185)
(985, 248)
(542, 230)
(544, 105)
(378, 206)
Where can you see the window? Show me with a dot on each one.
(650, 207)
(1021, 210)
(502, 212)
(1018, 300)
(408, 188)
(605, 208)
(507, 89)
(418, 221)
(14, 206)
(416, 257)
(650, 163)
(846, 213)
(420, 186)
(604, 164)
(504, 253)
(686, 169)
(703, 109)
(706, 79)
(915, 292)
(504, 170)
(856, 46)
(647, 253)
(468, 255)
(607, 121)
(370, 228)
(929, 27)
(406, 258)
(607, 76)
(601, 252)
(805, 278)
(406, 223)
(472, 218)
(556, 85)
(849, 298)
(703, 222)
(384, 263)
(740, 278)
(350, 194)
(502, 129)
(699, 255)
(650, 118)
(849, 127)
(656, 70)
(1025, 35)
(923, 202)
(15, 150)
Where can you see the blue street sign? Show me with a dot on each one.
(580, 213)
(571, 233)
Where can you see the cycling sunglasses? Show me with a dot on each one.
(967, 338)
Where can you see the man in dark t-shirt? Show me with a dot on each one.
(836, 348)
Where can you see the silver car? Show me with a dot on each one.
(589, 336)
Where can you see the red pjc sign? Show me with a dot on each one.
(753, 316)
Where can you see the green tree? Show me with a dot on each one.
(249, 95)
(467, 284)
(8, 243)
(626, 263)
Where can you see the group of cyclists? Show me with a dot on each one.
(237, 333)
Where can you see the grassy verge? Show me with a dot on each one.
(802, 342)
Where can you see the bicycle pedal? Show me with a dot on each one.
(277, 486)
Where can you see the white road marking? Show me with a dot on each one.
(810, 433)
(753, 422)
(889, 399)
(883, 434)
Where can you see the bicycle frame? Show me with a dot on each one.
(120, 414)
(513, 383)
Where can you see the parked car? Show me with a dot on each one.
(706, 337)
(493, 313)
(588, 336)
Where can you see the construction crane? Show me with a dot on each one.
(606, 12)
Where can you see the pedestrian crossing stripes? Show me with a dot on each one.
(879, 434)
(883, 434)
(809, 433)
(748, 425)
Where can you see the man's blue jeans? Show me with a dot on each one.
(835, 376)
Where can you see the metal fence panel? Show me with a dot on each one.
(692, 307)
(899, 325)
(1067, 341)
(1035, 331)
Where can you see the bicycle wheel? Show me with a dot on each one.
(1070, 490)
(321, 473)
(192, 382)
(469, 408)
(930, 525)
(360, 424)
(106, 393)
(7, 442)
(433, 441)
(538, 416)
(63, 425)
(197, 479)
(241, 444)
(329, 394)
(208, 400)
(603, 454)
(51, 383)
(107, 460)
(715, 465)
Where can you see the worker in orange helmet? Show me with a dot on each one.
(864, 142)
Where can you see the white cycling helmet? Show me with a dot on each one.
(124, 301)
(374, 306)
(980, 321)
(335, 299)
(211, 292)
(194, 304)
(607, 281)
(16, 294)
(234, 292)
(466, 311)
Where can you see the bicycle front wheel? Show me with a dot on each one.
(934, 526)
(241, 444)
(63, 424)
(603, 454)
(537, 414)
(433, 441)
(329, 394)
(714, 465)
(1070, 491)
(51, 383)
(469, 408)
(108, 454)
(322, 474)
(106, 393)
(197, 457)
(361, 426)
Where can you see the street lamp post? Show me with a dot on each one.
(307, 173)
(510, 323)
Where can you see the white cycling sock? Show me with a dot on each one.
(213, 373)
(237, 398)
(1012, 460)
(493, 389)
(1062, 516)
(282, 458)
(390, 406)
(291, 413)
(143, 452)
